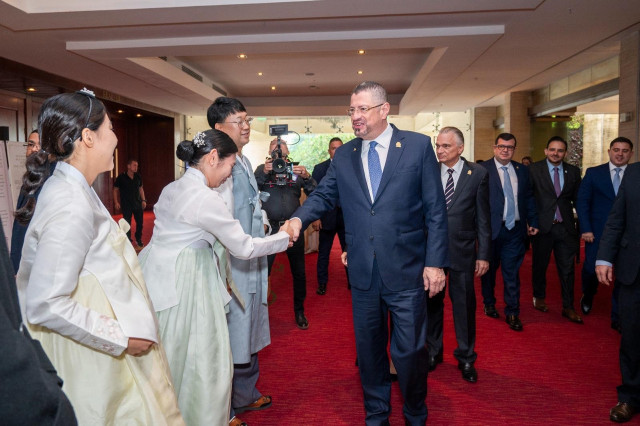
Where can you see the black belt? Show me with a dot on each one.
(279, 223)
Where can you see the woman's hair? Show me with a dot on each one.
(60, 123)
(203, 143)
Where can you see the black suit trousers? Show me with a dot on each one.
(138, 215)
(629, 304)
(463, 305)
(295, 254)
(326, 238)
(564, 246)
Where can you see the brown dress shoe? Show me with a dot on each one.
(571, 315)
(623, 412)
(540, 305)
(236, 422)
(514, 322)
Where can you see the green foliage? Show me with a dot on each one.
(312, 149)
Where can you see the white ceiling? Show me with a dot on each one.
(431, 55)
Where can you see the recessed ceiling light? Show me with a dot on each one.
(138, 115)
(260, 74)
(360, 72)
(31, 89)
(273, 87)
(313, 86)
(361, 52)
(310, 74)
(242, 56)
(120, 111)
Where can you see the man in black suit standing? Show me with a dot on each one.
(330, 224)
(555, 188)
(466, 191)
(513, 215)
(619, 245)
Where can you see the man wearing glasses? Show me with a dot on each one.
(18, 232)
(513, 215)
(387, 182)
(248, 319)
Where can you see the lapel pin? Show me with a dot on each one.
(354, 149)
(398, 145)
(469, 172)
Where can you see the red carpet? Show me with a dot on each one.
(554, 372)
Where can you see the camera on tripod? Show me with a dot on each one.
(282, 171)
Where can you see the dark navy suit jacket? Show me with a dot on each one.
(404, 229)
(595, 199)
(526, 202)
(329, 219)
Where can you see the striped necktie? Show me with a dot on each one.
(448, 189)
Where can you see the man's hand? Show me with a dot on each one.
(301, 171)
(604, 274)
(117, 205)
(588, 237)
(433, 280)
(482, 266)
(532, 230)
(343, 258)
(268, 166)
(296, 226)
(286, 227)
(317, 225)
(144, 206)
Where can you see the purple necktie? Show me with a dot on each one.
(556, 185)
(448, 189)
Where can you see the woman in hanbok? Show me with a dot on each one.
(186, 267)
(81, 290)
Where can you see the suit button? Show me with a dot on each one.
(373, 213)
(371, 237)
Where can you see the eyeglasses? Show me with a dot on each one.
(32, 145)
(361, 109)
(240, 122)
(505, 147)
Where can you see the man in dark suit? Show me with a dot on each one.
(388, 184)
(619, 245)
(30, 390)
(466, 191)
(555, 188)
(329, 225)
(595, 199)
(513, 215)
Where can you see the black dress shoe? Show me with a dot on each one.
(514, 322)
(490, 311)
(434, 361)
(585, 304)
(301, 321)
(616, 326)
(469, 372)
(322, 290)
(622, 412)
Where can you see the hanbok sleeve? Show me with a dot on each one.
(63, 241)
(213, 216)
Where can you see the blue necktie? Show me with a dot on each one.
(375, 172)
(616, 180)
(510, 220)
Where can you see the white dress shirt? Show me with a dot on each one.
(457, 171)
(383, 140)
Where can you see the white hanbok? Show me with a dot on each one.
(185, 266)
(82, 295)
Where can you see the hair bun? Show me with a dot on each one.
(185, 151)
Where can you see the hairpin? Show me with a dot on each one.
(199, 140)
(87, 92)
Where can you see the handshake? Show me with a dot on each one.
(292, 227)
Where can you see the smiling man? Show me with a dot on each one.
(555, 188)
(387, 182)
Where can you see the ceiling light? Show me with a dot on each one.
(31, 89)
(361, 52)
(360, 72)
(120, 111)
(260, 74)
(138, 115)
(242, 56)
(273, 87)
